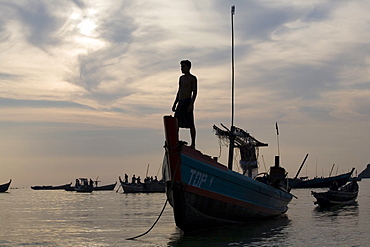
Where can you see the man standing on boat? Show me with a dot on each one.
(183, 106)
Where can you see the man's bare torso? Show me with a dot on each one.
(186, 86)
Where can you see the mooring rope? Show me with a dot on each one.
(159, 216)
(165, 203)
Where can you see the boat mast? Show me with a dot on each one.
(232, 137)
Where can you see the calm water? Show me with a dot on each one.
(61, 218)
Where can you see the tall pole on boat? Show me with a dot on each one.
(232, 137)
(331, 170)
(277, 138)
(232, 65)
(147, 169)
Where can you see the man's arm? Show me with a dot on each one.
(194, 89)
(176, 100)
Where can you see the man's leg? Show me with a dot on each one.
(192, 135)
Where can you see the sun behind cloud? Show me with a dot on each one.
(87, 27)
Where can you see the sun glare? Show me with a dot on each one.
(86, 27)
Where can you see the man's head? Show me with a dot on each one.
(185, 64)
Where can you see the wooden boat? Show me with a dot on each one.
(83, 185)
(50, 187)
(205, 193)
(5, 187)
(84, 188)
(146, 187)
(322, 182)
(346, 194)
(69, 187)
(105, 187)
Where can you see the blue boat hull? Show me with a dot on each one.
(205, 194)
(325, 182)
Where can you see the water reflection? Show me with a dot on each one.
(336, 216)
(267, 232)
(336, 210)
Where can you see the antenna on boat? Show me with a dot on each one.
(232, 137)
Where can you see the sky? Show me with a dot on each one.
(84, 85)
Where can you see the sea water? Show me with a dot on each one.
(107, 218)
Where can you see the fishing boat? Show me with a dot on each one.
(105, 187)
(83, 185)
(320, 182)
(5, 187)
(50, 187)
(146, 187)
(205, 193)
(346, 194)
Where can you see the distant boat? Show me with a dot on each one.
(146, 187)
(105, 187)
(83, 185)
(320, 182)
(50, 187)
(206, 194)
(5, 187)
(346, 194)
(365, 173)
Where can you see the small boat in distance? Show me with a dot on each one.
(84, 185)
(104, 187)
(145, 187)
(320, 182)
(5, 187)
(50, 187)
(346, 194)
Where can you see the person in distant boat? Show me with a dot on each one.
(133, 180)
(183, 106)
(126, 178)
(138, 180)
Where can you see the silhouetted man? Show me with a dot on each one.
(183, 106)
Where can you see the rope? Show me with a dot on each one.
(165, 203)
(159, 216)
